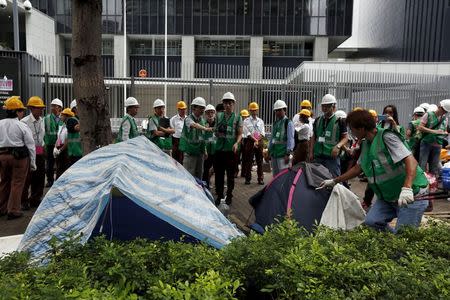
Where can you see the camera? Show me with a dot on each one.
(3, 4)
(27, 5)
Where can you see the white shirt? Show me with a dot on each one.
(252, 125)
(297, 124)
(62, 135)
(37, 128)
(14, 133)
(177, 123)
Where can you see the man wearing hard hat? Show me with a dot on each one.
(75, 150)
(305, 105)
(433, 126)
(60, 152)
(413, 135)
(128, 127)
(253, 133)
(159, 130)
(36, 179)
(17, 153)
(192, 142)
(52, 122)
(329, 136)
(282, 141)
(228, 131)
(177, 123)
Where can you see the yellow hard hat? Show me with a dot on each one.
(305, 112)
(14, 103)
(244, 113)
(373, 113)
(181, 105)
(68, 112)
(306, 103)
(253, 106)
(358, 108)
(35, 101)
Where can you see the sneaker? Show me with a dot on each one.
(260, 182)
(228, 200)
(217, 202)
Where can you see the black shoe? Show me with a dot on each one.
(228, 200)
(14, 216)
(260, 182)
(247, 182)
(218, 201)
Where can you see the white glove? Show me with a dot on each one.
(328, 183)
(406, 197)
(33, 167)
(56, 152)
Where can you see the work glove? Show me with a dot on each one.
(33, 167)
(328, 183)
(56, 152)
(406, 197)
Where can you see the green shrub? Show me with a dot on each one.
(283, 263)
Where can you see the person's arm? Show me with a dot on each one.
(201, 127)
(263, 129)
(410, 169)
(29, 143)
(126, 126)
(165, 131)
(290, 137)
(238, 139)
(352, 173)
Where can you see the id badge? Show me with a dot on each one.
(277, 135)
(328, 133)
(39, 150)
(321, 139)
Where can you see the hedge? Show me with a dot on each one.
(283, 263)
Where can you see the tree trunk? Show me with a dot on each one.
(87, 74)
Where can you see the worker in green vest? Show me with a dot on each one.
(433, 126)
(392, 173)
(75, 150)
(128, 128)
(52, 122)
(413, 135)
(282, 140)
(228, 132)
(158, 128)
(210, 143)
(192, 142)
(329, 136)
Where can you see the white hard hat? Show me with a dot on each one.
(131, 101)
(279, 104)
(445, 104)
(425, 106)
(328, 99)
(58, 102)
(158, 103)
(419, 110)
(432, 107)
(199, 101)
(228, 96)
(210, 107)
(340, 114)
(73, 103)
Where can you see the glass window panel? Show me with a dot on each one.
(231, 8)
(196, 5)
(323, 25)
(314, 25)
(314, 7)
(111, 8)
(323, 8)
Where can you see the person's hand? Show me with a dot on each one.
(335, 152)
(56, 152)
(235, 148)
(328, 183)
(209, 129)
(391, 120)
(406, 197)
(33, 167)
(77, 127)
(205, 156)
(286, 159)
(256, 144)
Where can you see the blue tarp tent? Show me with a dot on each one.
(127, 190)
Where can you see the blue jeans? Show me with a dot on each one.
(382, 212)
(430, 154)
(332, 164)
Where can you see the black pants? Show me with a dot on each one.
(50, 167)
(35, 181)
(224, 161)
(206, 167)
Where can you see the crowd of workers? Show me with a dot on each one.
(214, 140)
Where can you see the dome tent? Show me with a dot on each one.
(153, 197)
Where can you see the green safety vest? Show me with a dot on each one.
(51, 129)
(434, 123)
(278, 145)
(74, 143)
(416, 135)
(330, 136)
(192, 140)
(210, 141)
(225, 141)
(384, 177)
(133, 128)
(164, 143)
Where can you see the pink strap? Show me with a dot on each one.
(276, 176)
(292, 190)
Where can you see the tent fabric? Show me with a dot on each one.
(142, 173)
(343, 211)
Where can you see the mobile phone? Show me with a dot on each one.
(381, 117)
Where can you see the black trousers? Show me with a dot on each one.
(50, 166)
(224, 161)
(208, 163)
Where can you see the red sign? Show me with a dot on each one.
(6, 85)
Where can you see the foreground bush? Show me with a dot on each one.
(284, 263)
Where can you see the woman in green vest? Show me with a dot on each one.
(391, 121)
(158, 129)
(192, 142)
(128, 128)
(392, 173)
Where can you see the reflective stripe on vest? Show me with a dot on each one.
(192, 140)
(225, 142)
(278, 147)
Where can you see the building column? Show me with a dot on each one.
(256, 57)
(187, 57)
(320, 52)
(119, 56)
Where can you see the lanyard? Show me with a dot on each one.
(36, 131)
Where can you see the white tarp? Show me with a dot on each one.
(9, 244)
